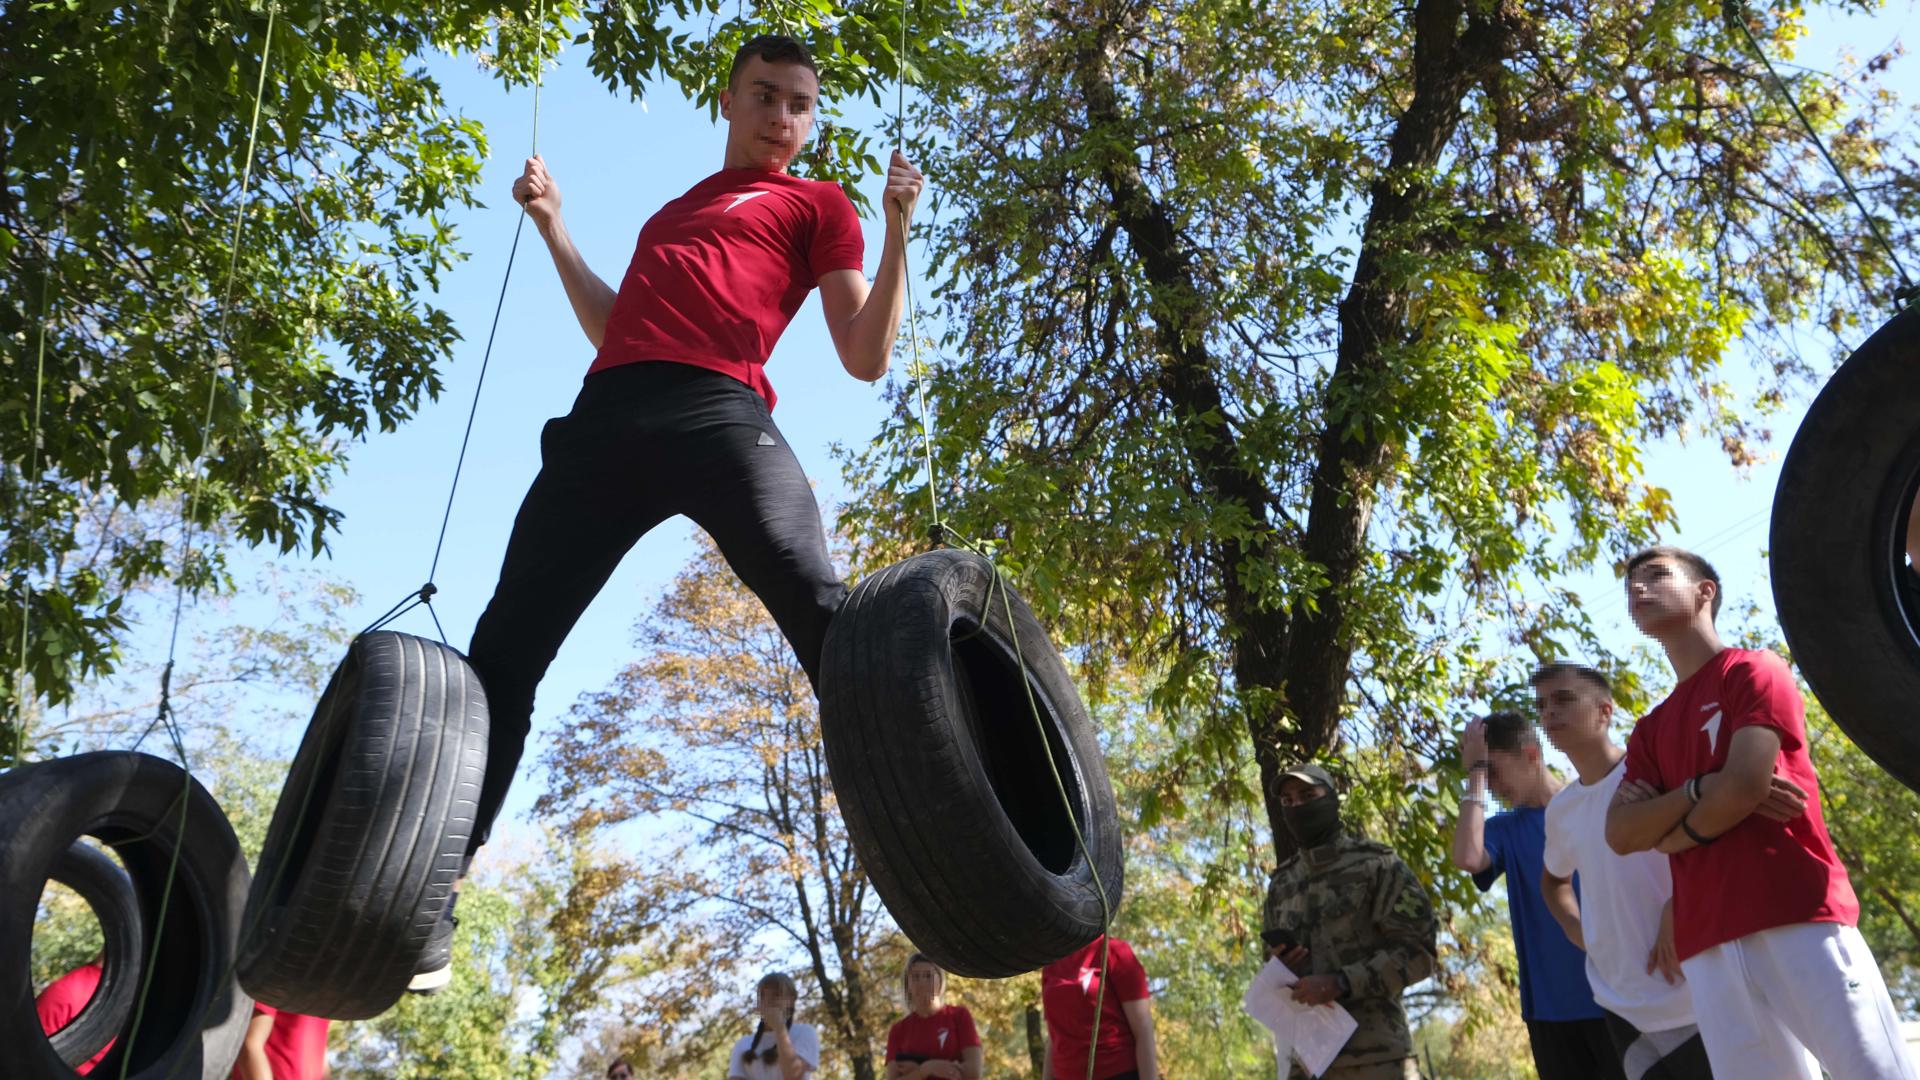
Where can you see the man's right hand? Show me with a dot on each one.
(536, 191)
(1473, 745)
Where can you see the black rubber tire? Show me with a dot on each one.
(1846, 599)
(108, 890)
(349, 888)
(193, 1016)
(942, 777)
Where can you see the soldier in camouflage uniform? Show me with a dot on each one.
(1363, 927)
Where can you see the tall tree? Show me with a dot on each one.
(1299, 350)
(129, 299)
(715, 723)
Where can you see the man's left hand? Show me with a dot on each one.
(903, 188)
(1317, 990)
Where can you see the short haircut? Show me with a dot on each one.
(1701, 569)
(617, 1062)
(1507, 731)
(774, 49)
(1554, 669)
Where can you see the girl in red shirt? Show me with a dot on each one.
(934, 1041)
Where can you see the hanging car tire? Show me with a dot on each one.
(1848, 602)
(189, 879)
(108, 891)
(370, 831)
(942, 774)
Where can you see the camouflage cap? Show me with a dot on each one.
(1310, 773)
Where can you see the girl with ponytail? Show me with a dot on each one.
(779, 1048)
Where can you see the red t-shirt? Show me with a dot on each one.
(939, 1037)
(1761, 873)
(1068, 988)
(297, 1048)
(65, 998)
(719, 272)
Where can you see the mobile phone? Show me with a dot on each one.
(1279, 938)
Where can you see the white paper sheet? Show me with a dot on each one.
(1312, 1033)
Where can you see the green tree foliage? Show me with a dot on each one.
(123, 155)
(486, 1024)
(1298, 351)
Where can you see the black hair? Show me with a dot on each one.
(1556, 668)
(1701, 569)
(774, 49)
(1507, 731)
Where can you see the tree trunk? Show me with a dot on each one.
(1188, 379)
(1036, 1042)
(1452, 47)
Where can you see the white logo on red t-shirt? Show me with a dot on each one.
(1086, 980)
(1712, 727)
(942, 1039)
(743, 197)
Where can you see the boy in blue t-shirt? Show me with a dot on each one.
(1565, 1027)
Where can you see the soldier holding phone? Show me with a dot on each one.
(1351, 920)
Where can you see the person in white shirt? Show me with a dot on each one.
(779, 1048)
(1622, 914)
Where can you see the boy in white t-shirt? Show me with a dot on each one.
(1623, 914)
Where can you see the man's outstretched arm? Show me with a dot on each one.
(591, 297)
(864, 319)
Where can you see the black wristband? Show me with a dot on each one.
(1694, 836)
(1346, 984)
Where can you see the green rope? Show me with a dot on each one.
(941, 532)
(164, 714)
(31, 498)
(1734, 13)
(226, 314)
(424, 595)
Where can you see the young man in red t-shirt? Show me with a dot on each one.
(674, 416)
(65, 998)
(1718, 777)
(1069, 989)
(283, 1046)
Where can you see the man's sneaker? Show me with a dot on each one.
(435, 969)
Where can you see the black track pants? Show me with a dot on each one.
(644, 442)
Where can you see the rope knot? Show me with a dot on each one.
(427, 592)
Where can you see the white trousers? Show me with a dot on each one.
(1773, 1003)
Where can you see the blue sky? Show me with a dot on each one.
(616, 161)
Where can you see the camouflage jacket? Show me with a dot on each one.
(1359, 911)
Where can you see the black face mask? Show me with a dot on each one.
(1313, 823)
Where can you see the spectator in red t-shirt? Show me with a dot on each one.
(675, 414)
(1719, 778)
(283, 1046)
(934, 1041)
(1069, 988)
(65, 998)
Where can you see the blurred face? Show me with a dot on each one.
(1663, 595)
(620, 1072)
(1509, 771)
(1573, 712)
(924, 983)
(769, 111)
(1296, 792)
(773, 996)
